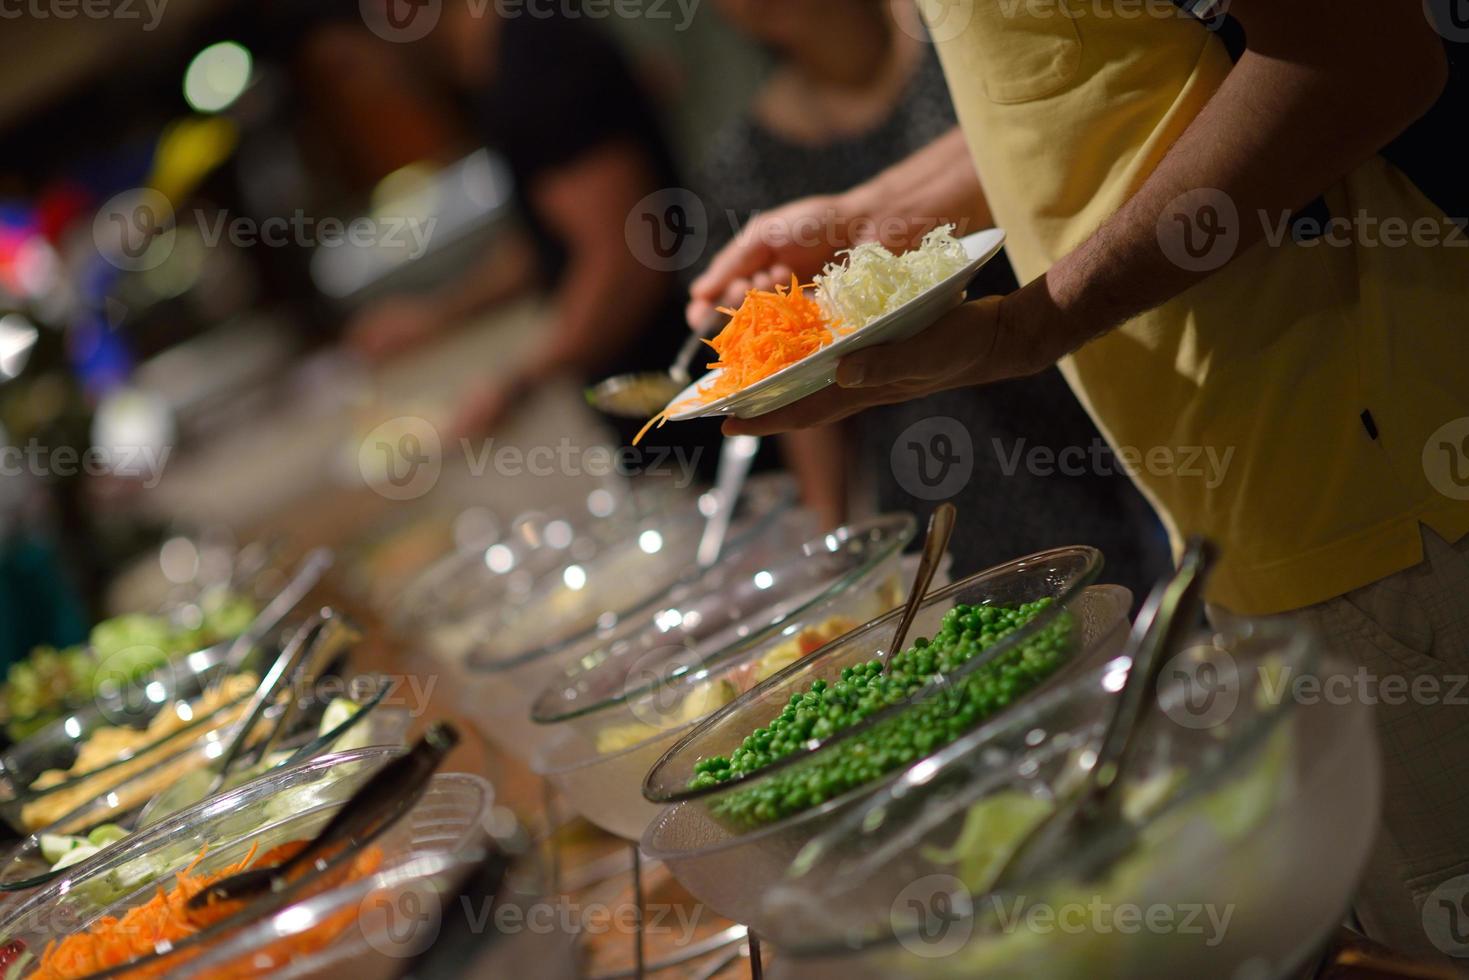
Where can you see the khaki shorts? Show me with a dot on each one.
(1408, 635)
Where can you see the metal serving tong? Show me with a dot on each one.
(307, 575)
(376, 806)
(1170, 612)
(308, 653)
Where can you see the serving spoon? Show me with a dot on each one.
(736, 456)
(935, 543)
(1169, 612)
(377, 805)
(641, 394)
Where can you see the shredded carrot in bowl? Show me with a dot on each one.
(165, 920)
(771, 330)
(112, 941)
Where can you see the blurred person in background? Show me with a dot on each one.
(847, 95)
(555, 97)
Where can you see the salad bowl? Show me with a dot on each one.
(1244, 829)
(516, 649)
(119, 811)
(217, 834)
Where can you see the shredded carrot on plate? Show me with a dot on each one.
(771, 330)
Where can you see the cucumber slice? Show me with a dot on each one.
(79, 853)
(107, 833)
(56, 846)
(337, 713)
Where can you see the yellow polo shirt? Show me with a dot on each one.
(1269, 364)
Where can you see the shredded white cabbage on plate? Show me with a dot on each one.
(872, 282)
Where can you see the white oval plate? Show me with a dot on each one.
(818, 369)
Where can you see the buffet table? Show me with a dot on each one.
(775, 622)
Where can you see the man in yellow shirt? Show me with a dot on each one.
(1226, 268)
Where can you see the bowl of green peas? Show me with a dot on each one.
(1249, 800)
(750, 784)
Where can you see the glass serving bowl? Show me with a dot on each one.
(190, 631)
(429, 915)
(460, 599)
(701, 847)
(279, 807)
(518, 649)
(54, 746)
(491, 567)
(617, 708)
(1250, 816)
(374, 724)
(58, 745)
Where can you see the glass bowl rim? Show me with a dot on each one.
(28, 795)
(290, 895)
(255, 790)
(893, 531)
(137, 844)
(311, 749)
(431, 870)
(1091, 567)
(778, 496)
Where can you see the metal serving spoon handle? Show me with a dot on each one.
(935, 542)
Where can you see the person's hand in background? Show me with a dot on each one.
(487, 406)
(394, 325)
(399, 323)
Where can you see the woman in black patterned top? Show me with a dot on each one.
(850, 92)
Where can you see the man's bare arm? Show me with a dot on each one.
(1322, 86)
